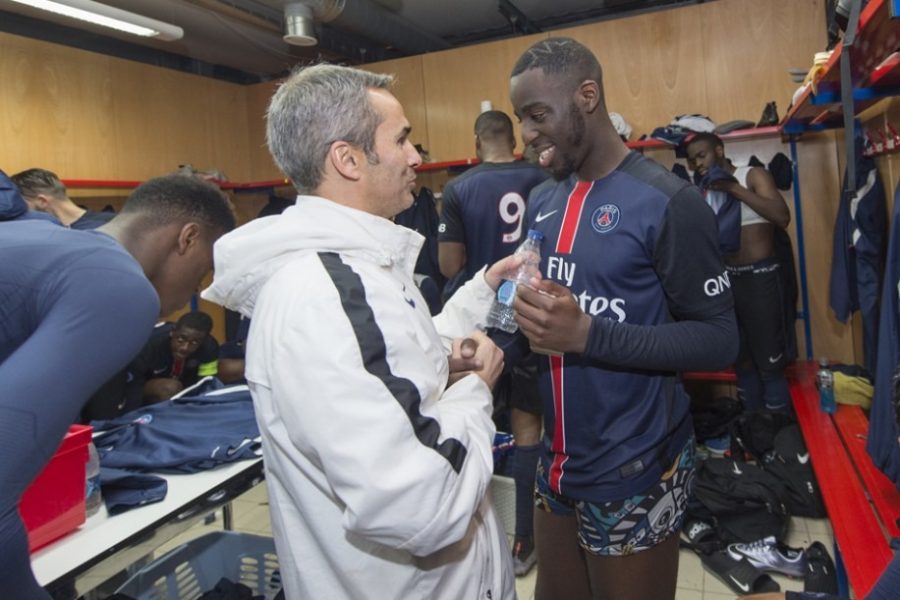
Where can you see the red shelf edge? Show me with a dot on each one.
(758, 132)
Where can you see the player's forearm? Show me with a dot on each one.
(680, 346)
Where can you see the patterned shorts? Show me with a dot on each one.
(632, 525)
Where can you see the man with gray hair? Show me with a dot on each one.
(375, 418)
(44, 192)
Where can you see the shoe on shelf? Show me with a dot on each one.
(769, 555)
(524, 555)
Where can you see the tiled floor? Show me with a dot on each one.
(251, 514)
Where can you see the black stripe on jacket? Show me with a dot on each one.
(374, 355)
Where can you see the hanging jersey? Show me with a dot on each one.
(748, 215)
(638, 247)
(484, 208)
(883, 443)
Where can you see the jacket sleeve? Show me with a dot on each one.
(358, 380)
(467, 309)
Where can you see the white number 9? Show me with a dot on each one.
(512, 211)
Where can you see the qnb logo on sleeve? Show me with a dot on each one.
(717, 285)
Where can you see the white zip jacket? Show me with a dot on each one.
(377, 473)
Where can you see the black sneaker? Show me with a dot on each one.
(524, 556)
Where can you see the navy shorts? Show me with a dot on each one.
(632, 525)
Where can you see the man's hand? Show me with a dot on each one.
(462, 359)
(161, 388)
(550, 318)
(724, 185)
(502, 269)
(475, 354)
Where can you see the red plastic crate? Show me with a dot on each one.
(53, 505)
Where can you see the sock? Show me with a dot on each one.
(776, 393)
(525, 461)
(750, 388)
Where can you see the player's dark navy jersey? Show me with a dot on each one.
(637, 248)
(74, 306)
(92, 220)
(484, 208)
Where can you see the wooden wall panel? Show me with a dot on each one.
(178, 119)
(262, 167)
(88, 116)
(748, 47)
(409, 88)
(653, 65)
(456, 81)
(56, 109)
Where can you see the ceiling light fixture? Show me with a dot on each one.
(299, 26)
(108, 16)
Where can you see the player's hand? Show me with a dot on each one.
(550, 318)
(477, 354)
(161, 388)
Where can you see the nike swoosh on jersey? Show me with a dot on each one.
(744, 587)
(775, 359)
(540, 217)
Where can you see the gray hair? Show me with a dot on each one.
(315, 107)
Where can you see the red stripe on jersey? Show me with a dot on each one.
(572, 216)
(559, 428)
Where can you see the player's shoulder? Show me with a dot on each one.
(650, 173)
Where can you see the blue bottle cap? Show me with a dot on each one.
(534, 234)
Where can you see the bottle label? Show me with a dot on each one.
(506, 293)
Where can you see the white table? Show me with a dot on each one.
(110, 544)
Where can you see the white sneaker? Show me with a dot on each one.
(769, 555)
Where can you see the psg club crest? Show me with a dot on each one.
(605, 218)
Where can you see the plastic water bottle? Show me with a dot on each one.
(92, 496)
(825, 383)
(501, 315)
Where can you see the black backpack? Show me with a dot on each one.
(754, 432)
(790, 463)
(743, 501)
(714, 418)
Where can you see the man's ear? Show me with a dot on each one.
(41, 202)
(346, 160)
(720, 152)
(587, 95)
(188, 237)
